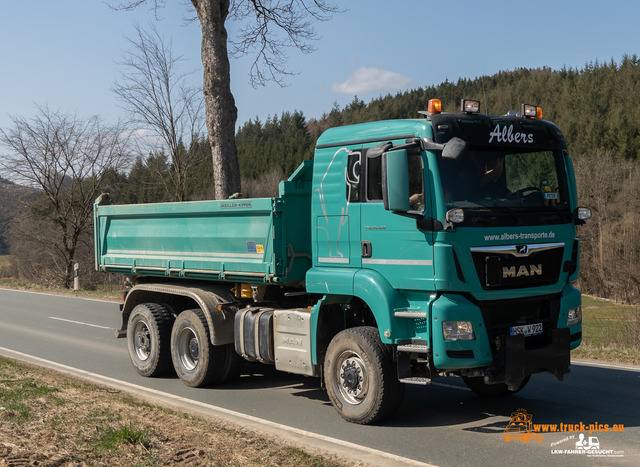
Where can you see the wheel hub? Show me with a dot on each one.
(188, 348)
(194, 349)
(142, 342)
(352, 378)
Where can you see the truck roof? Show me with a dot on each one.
(364, 133)
(474, 128)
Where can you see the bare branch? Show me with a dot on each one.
(273, 26)
(66, 158)
(157, 98)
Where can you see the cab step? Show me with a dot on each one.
(413, 348)
(416, 380)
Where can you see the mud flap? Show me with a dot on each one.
(520, 363)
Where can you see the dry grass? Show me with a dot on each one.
(47, 418)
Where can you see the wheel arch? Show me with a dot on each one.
(373, 290)
(206, 297)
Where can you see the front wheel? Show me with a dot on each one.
(477, 385)
(360, 376)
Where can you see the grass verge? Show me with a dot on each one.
(610, 331)
(100, 293)
(47, 418)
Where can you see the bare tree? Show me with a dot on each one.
(270, 27)
(156, 96)
(68, 159)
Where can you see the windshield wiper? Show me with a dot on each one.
(502, 209)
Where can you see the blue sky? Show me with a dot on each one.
(64, 54)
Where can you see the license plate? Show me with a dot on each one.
(550, 195)
(527, 330)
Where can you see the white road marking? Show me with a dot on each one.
(79, 322)
(59, 295)
(613, 366)
(165, 395)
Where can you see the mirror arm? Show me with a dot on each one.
(429, 145)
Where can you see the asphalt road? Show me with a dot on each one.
(443, 424)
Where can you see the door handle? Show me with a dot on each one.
(366, 249)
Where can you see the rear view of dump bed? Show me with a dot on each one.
(256, 240)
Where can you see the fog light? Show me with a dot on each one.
(575, 316)
(458, 331)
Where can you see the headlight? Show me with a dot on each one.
(458, 331)
(455, 215)
(575, 316)
(584, 213)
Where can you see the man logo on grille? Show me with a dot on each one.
(532, 270)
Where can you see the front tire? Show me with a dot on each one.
(197, 362)
(360, 376)
(148, 339)
(477, 385)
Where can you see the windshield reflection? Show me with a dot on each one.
(488, 178)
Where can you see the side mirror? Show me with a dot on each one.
(395, 180)
(455, 149)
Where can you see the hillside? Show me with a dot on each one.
(13, 199)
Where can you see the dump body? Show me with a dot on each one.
(261, 240)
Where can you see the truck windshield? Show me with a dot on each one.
(518, 179)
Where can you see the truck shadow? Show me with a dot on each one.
(260, 376)
(588, 395)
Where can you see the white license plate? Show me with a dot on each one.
(527, 330)
(550, 195)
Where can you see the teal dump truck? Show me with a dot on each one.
(405, 251)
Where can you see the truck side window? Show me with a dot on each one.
(374, 179)
(416, 183)
(352, 176)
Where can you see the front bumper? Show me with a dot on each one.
(495, 354)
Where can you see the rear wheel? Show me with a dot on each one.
(477, 385)
(197, 362)
(148, 339)
(360, 376)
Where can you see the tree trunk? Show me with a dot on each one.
(219, 103)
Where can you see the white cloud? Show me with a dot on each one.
(365, 80)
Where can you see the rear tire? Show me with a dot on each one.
(197, 362)
(478, 386)
(148, 339)
(360, 376)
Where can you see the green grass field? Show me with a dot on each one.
(610, 331)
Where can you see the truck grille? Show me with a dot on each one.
(500, 268)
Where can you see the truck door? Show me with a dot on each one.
(391, 243)
(337, 208)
